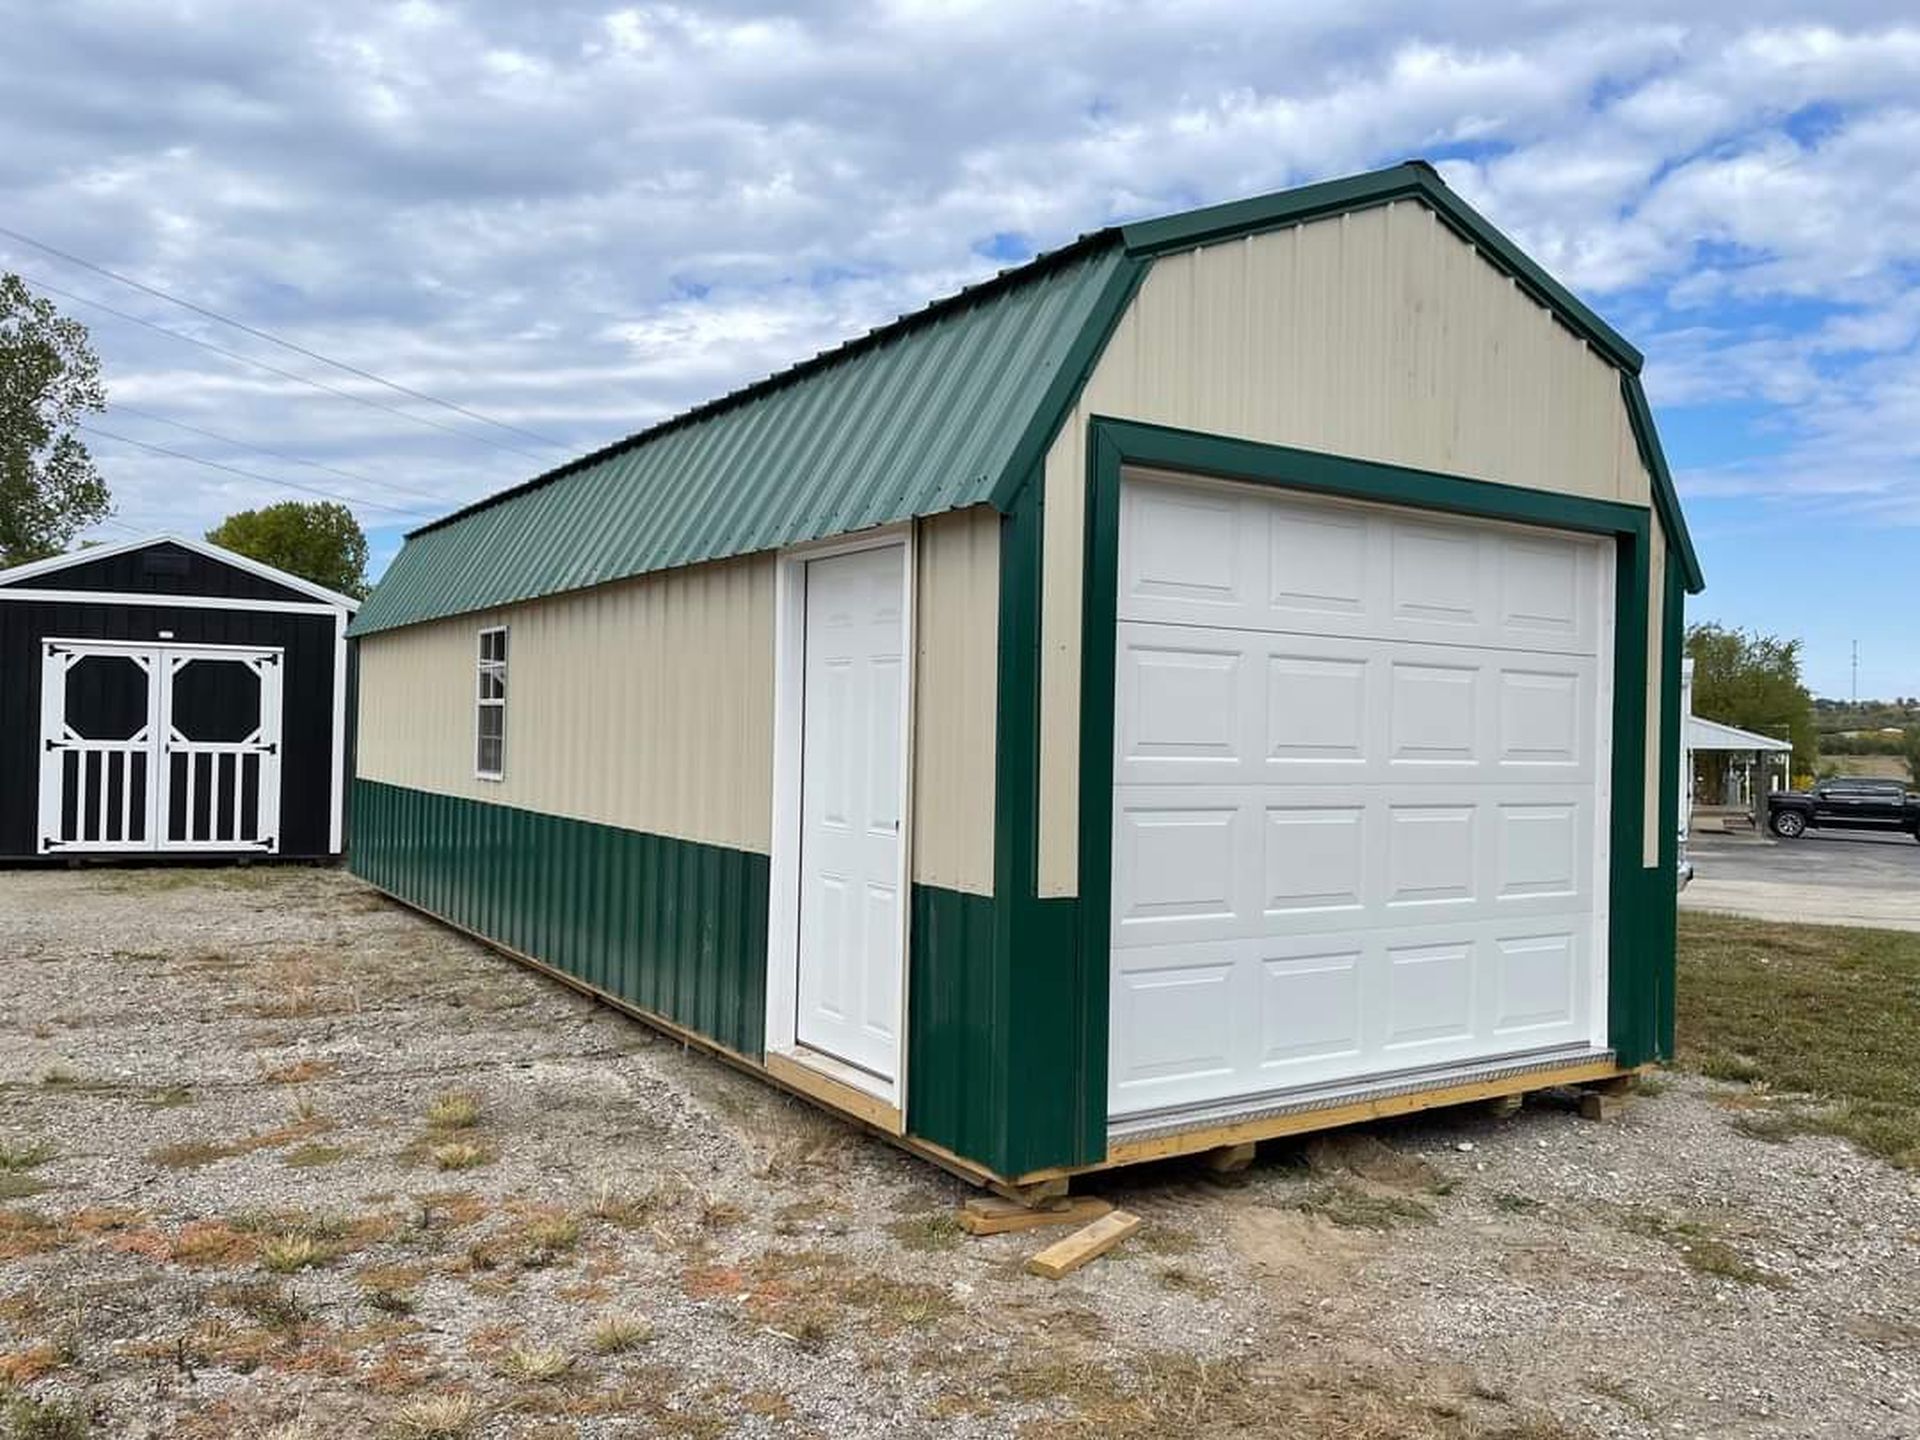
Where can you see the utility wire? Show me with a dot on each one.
(235, 355)
(273, 339)
(120, 405)
(248, 474)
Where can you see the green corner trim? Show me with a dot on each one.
(1415, 180)
(1029, 454)
(1666, 499)
(672, 927)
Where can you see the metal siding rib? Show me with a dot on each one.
(921, 423)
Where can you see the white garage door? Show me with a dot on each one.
(1360, 795)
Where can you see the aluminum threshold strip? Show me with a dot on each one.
(1331, 1096)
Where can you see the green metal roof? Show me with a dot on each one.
(920, 417)
(948, 407)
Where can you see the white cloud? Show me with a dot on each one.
(581, 217)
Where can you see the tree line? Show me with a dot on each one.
(52, 491)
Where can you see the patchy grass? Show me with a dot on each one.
(285, 1254)
(1352, 1207)
(193, 1154)
(16, 1155)
(454, 1110)
(457, 1155)
(936, 1230)
(1829, 1013)
(619, 1332)
(24, 1418)
(300, 1072)
(26, 1232)
(435, 1417)
(535, 1364)
(14, 1186)
(1701, 1249)
(312, 1154)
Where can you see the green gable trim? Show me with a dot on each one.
(1415, 180)
(1666, 499)
(671, 927)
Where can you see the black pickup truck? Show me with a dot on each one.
(1845, 805)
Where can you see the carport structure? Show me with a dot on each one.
(1749, 772)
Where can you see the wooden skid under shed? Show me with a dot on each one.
(1039, 1186)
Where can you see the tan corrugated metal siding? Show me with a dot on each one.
(1379, 334)
(955, 687)
(646, 704)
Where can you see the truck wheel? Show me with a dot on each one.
(1789, 824)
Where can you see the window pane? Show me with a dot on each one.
(489, 756)
(493, 685)
(492, 721)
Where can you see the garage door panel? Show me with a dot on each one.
(1359, 790)
(1204, 705)
(1293, 565)
(1194, 864)
(1264, 1015)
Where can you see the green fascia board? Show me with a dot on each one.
(925, 416)
(1414, 180)
(1666, 498)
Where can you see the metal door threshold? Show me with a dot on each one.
(1346, 1092)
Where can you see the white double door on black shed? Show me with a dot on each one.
(157, 747)
(1360, 794)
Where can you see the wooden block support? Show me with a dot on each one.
(1598, 1105)
(1063, 1257)
(1229, 1159)
(994, 1216)
(1503, 1107)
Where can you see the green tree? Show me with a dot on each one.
(49, 378)
(316, 540)
(1751, 680)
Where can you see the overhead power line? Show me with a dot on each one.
(122, 406)
(249, 474)
(298, 379)
(272, 339)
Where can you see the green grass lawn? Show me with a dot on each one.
(1828, 1018)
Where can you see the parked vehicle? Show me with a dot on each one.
(1845, 804)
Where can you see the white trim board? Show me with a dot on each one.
(327, 597)
(179, 602)
(789, 696)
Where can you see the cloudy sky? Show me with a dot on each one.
(571, 219)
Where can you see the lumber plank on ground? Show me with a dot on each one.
(1063, 1257)
(994, 1216)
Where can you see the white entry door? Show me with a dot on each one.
(159, 748)
(1360, 794)
(852, 921)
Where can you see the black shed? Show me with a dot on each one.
(167, 697)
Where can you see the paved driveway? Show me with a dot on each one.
(1823, 878)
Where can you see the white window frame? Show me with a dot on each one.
(482, 667)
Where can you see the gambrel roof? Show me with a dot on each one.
(944, 408)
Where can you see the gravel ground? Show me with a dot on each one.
(231, 1208)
